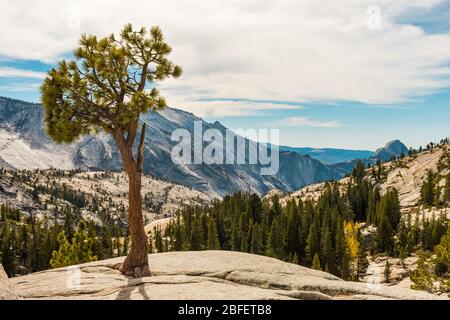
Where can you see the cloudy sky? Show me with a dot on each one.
(349, 73)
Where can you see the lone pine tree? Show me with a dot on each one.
(107, 89)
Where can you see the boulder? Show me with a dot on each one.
(6, 290)
(201, 275)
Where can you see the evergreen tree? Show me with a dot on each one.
(256, 208)
(196, 234)
(23, 245)
(150, 243)
(64, 256)
(79, 251)
(82, 244)
(374, 197)
(213, 238)
(362, 262)
(313, 242)
(384, 238)
(295, 259)
(275, 210)
(178, 236)
(402, 245)
(446, 198)
(442, 262)
(68, 223)
(247, 242)
(316, 262)
(341, 253)
(387, 272)
(422, 277)
(159, 244)
(327, 252)
(7, 253)
(359, 172)
(275, 243)
(107, 89)
(236, 235)
(379, 172)
(293, 244)
(126, 246)
(427, 190)
(256, 246)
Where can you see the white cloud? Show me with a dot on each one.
(307, 122)
(208, 108)
(286, 50)
(7, 72)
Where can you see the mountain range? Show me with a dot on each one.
(25, 145)
(330, 155)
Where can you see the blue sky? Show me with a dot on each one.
(326, 75)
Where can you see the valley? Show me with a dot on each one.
(320, 216)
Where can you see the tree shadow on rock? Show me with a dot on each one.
(133, 283)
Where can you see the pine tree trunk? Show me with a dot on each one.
(136, 262)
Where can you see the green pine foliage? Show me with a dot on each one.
(387, 272)
(28, 244)
(79, 251)
(213, 238)
(422, 277)
(362, 262)
(427, 193)
(316, 263)
(433, 271)
(65, 255)
(98, 91)
(446, 198)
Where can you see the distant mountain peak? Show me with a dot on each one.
(395, 144)
(393, 148)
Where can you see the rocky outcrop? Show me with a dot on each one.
(6, 290)
(201, 275)
(408, 176)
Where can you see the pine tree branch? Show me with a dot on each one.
(140, 157)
